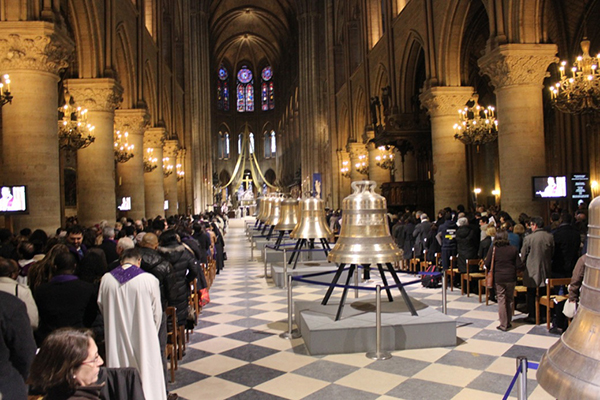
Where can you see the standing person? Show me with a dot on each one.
(74, 241)
(8, 271)
(506, 261)
(567, 243)
(109, 244)
(420, 233)
(536, 254)
(467, 244)
(17, 347)
(446, 237)
(129, 301)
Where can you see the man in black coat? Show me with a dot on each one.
(65, 301)
(567, 243)
(109, 244)
(17, 347)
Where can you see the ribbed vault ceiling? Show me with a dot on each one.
(254, 31)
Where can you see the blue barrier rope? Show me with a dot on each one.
(530, 365)
(430, 273)
(302, 279)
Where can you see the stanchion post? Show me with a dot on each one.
(291, 332)
(378, 354)
(444, 294)
(522, 380)
(356, 274)
(285, 271)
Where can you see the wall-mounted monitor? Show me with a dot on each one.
(166, 206)
(549, 187)
(125, 204)
(13, 200)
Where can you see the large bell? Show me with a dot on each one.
(365, 234)
(266, 209)
(289, 215)
(259, 206)
(570, 369)
(313, 223)
(275, 213)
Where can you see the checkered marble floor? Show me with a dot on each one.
(236, 353)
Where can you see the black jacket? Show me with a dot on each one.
(185, 268)
(567, 243)
(155, 264)
(466, 246)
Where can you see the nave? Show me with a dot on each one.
(235, 351)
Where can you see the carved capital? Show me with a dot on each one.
(170, 149)
(133, 121)
(445, 100)
(518, 64)
(155, 137)
(33, 45)
(181, 155)
(356, 149)
(102, 94)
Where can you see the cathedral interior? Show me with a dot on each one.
(219, 98)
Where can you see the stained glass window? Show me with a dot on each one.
(223, 89)
(240, 143)
(251, 137)
(223, 145)
(267, 95)
(245, 90)
(273, 144)
(270, 140)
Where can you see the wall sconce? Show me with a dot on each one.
(345, 170)
(495, 192)
(594, 188)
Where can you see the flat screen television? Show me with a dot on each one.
(125, 204)
(549, 187)
(13, 200)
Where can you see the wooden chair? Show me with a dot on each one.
(468, 277)
(414, 265)
(451, 272)
(172, 341)
(549, 299)
(194, 303)
(424, 264)
(519, 289)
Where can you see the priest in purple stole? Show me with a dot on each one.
(129, 300)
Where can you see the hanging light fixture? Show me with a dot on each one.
(167, 168)
(74, 132)
(345, 170)
(180, 172)
(578, 92)
(123, 150)
(385, 159)
(150, 162)
(362, 165)
(5, 96)
(477, 125)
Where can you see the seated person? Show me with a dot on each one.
(65, 300)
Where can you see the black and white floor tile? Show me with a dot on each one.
(236, 352)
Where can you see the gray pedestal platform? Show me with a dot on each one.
(355, 331)
(306, 268)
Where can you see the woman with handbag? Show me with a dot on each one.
(502, 263)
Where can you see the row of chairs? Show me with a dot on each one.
(178, 335)
(545, 297)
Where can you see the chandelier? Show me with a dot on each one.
(385, 159)
(477, 125)
(361, 166)
(74, 132)
(150, 162)
(345, 170)
(180, 172)
(167, 168)
(5, 96)
(123, 150)
(578, 92)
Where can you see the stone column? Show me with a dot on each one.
(517, 72)
(33, 53)
(356, 150)
(131, 173)
(181, 183)
(170, 150)
(448, 154)
(154, 181)
(376, 173)
(96, 200)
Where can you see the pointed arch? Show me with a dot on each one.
(412, 71)
(150, 92)
(125, 65)
(86, 26)
(382, 79)
(360, 115)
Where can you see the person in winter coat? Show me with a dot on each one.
(506, 264)
(486, 243)
(446, 237)
(420, 233)
(409, 239)
(185, 270)
(467, 242)
(536, 253)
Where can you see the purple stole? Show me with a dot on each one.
(125, 275)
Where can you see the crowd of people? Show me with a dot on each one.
(526, 247)
(88, 294)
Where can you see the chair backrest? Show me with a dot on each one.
(172, 323)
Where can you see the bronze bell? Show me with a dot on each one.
(260, 206)
(570, 369)
(365, 234)
(273, 217)
(313, 223)
(266, 209)
(289, 215)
